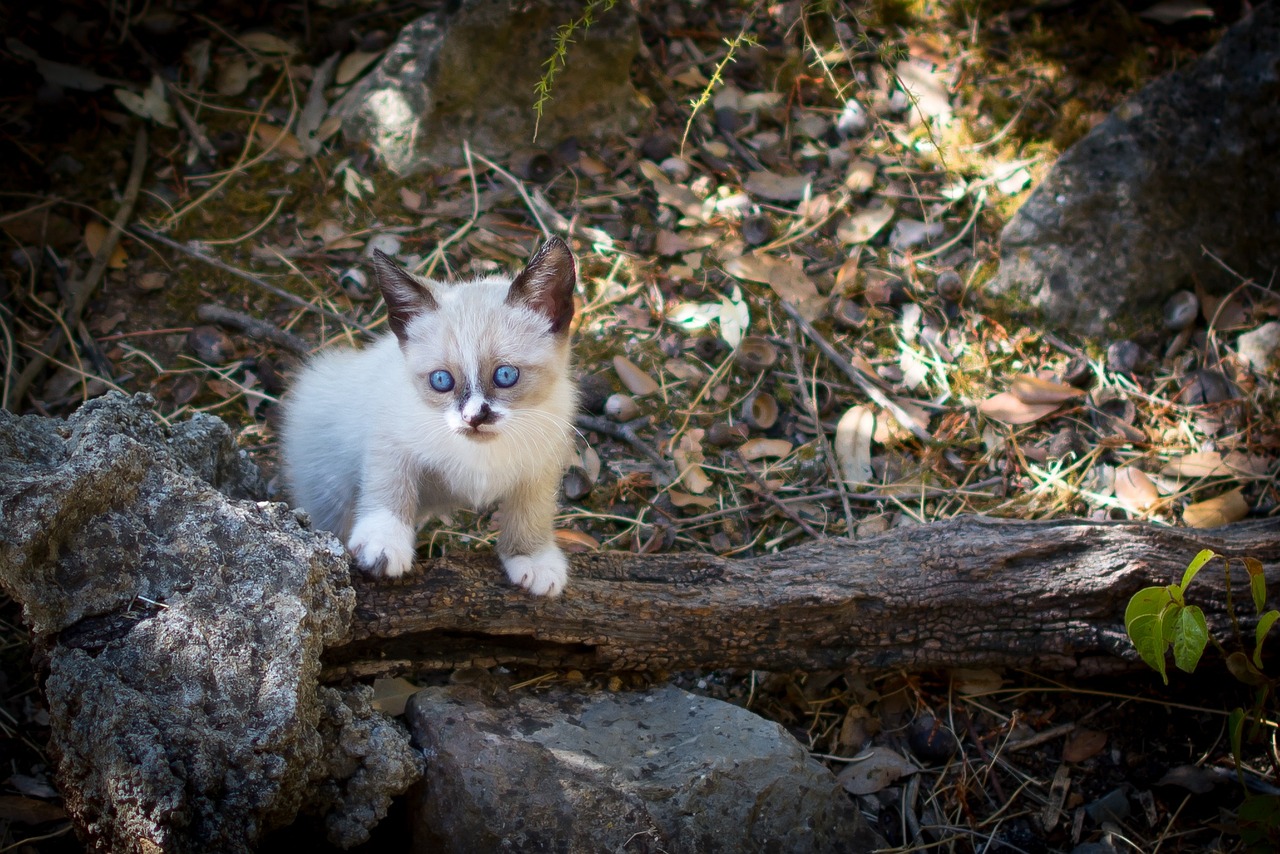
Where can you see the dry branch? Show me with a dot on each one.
(970, 591)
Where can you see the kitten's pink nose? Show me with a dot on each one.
(481, 416)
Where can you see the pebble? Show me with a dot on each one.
(757, 230)
(723, 435)
(1123, 357)
(1261, 347)
(1180, 311)
(211, 345)
(931, 741)
(949, 285)
(621, 407)
(633, 377)
(1207, 386)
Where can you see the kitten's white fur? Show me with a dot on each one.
(371, 450)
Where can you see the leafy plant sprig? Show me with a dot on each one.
(560, 51)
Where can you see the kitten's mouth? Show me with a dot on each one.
(479, 434)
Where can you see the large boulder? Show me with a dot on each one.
(472, 74)
(656, 770)
(1126, 215)
(179, 633)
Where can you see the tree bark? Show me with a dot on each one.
(967, 592)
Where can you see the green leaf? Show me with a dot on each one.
(1259, 822)
(1239, 665)
(1148, 602)
(1147, 639)
(1190, 637)
(1260, 635)
(1235, 729)
(1257, 582)
(1197, 562)
(1169, 620)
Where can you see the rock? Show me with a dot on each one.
(1119, 222)
(646, 771)
(1261, 347)
(179, 631)
(472, 75)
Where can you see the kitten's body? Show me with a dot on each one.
(371, 447)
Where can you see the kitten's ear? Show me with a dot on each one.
(405, 296)
(546, 284)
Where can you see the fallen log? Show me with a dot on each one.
(971, 591)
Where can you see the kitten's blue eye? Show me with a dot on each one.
(506, 376)
(441, 380)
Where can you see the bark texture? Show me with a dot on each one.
(971, 592)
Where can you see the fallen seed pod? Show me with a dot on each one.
(756, 353)
(760, 411)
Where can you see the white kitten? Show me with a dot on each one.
(468, 402)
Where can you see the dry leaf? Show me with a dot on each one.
(688, 458)
(1203, 464)
(1008, 409)
(1134, 490)
(1032, 389)
(1226, 508)
(1082, 744)
(391, 695)
(975, 681)
(279, 139)
(778, 188)
(864, 225)
(576, 542)
(637, 381)
(352, 64)
(94, 235)
(1173, 11)
(853, 444)
(29, 810)
(684, 499)
(268, 44)
(235, 76)
(681, 198)
(756, 449)
(787, 279)
(874, 770)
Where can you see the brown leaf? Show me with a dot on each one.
(1202, 464)
(788, 280)
(1082, 744)
(1223, 510)
(1006, 408)
(1032, 389)
(755, 449)
(688, 458)
(1134, 490)
(95, 233)
(875, 769)
(852, 444)
(29, 810)
(778, 188)
(576, 542)
(864, 224)
(636, 380)
(352, 65)
(684, 499)
(392, 695)
(279, 139)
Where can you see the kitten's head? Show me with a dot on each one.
(491, 355)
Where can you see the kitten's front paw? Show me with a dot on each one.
(382, 544)
(543, 573)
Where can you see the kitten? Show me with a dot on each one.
(467, 402)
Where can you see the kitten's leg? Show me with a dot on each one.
(384, 535)
(527, 542)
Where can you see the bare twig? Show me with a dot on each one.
(196, 250)
(81, 291)
(253, 327)
(768, 495)
(627, 433)
(828, 453)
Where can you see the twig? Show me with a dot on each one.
(253, 327)
(175, 99)
(82, 290)
(868, 388)
(197, 251)
(768, 495)
(833, 465)
(627, 433)
(519, 186)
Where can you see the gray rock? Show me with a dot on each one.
(180, 632)
(1260, 348)
(471, 75)
(647, 771)
(1119, 222)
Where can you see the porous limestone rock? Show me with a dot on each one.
(179, 632)
(655, 770)
(470, 74)
(1124, 217)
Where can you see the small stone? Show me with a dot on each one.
(576, 484)
(1180, 311)
(949, 285)
(757, 230)
(621, 407)
(728, 119)
(593, 391)
(677, 168)
(723, 435)
(657, 147)
(1067, 443)
(930, 740)
(211, 345)
(720, 542)
(1113, 806)
(1260, 349)
(1205, 387)
(535, 166)
(1123, 357)
(153, 281)
(633, 377)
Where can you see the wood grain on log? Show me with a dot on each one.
(971, 592)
